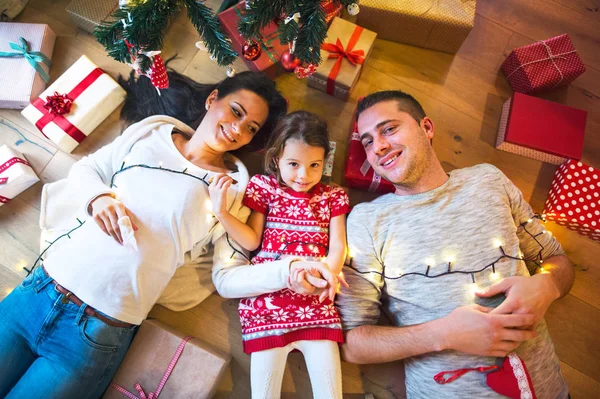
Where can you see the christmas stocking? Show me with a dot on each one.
(511, 379)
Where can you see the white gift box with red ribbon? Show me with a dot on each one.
(16, 175)
(75, 104)
(574, 198)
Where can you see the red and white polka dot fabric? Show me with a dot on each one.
(158, 73)
(543, 65)
(574, 199)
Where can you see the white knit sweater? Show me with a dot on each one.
(177, 236)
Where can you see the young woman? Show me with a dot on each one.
(65, 330)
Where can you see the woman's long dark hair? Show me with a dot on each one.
(185, 99)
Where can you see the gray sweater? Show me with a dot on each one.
(461, 220)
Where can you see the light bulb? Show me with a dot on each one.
(494, 276)
(450, 258)
(20, 265)
(530, 220)
(497, 243)
(160, 164)
(430, 261)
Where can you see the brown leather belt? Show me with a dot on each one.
(90, 311)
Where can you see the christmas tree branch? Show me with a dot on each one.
(312, 33)
(210, 31)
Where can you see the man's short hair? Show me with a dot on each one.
(406, 103)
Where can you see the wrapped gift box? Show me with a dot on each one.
(358, 172)
(16, 175)
(93, 95)
(441, 25)
(574, 198)
(87, 14)
(540, 129)
(20, 83)
(271, 47)
(195, 375)
(332, 9)
(543, 65)
(343, 52)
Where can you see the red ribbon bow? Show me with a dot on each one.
(337, 51)
(58, 104)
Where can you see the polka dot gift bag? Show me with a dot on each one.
(574, 199)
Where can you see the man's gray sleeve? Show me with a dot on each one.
(360, 304)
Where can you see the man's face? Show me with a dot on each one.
(397, 146)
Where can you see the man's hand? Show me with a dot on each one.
(314, 278)
(474, 329)
(106, 212)
(524, 295)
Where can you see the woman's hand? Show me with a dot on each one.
(219, 184)
(106, 212)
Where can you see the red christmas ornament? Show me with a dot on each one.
(251, 50)
(289, 62)
(58, 104)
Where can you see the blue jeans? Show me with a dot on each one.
(49, 349)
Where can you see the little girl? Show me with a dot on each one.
(293, 215)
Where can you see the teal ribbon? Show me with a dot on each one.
(34, 58)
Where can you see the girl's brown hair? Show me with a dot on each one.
(299, 125)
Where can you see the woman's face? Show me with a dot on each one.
(232, 121)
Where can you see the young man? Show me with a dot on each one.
(442, 257)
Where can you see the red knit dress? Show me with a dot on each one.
(297, 225)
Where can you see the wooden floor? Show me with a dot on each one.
(463, 94)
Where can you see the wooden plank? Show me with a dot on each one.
(541, 20)
(19, 235)
(485, 44)
(9, 279)
(580, 385)
(587, 8)
(584, 253)
(574, 326)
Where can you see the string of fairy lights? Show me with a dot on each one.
(537, 260)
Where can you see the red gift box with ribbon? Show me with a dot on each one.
(75, 104)
(358, 172)
(270, 46)
(162, 362)
(543, 65)
(343, 52)
(574, 198)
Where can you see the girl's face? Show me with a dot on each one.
(232, 121)
(301, 165)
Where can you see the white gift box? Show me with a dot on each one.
(94, 95)
(16, 175)
(19, 82)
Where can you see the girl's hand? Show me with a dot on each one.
(106, 212)
(314, 278)
(219, 184)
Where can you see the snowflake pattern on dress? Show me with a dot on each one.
(297, 224)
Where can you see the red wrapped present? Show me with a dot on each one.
(271, 47)
(358, 172)
(162, 362)
(543, 65)
(574, 198)
(540, 129)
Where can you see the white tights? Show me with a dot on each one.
(322, 360)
